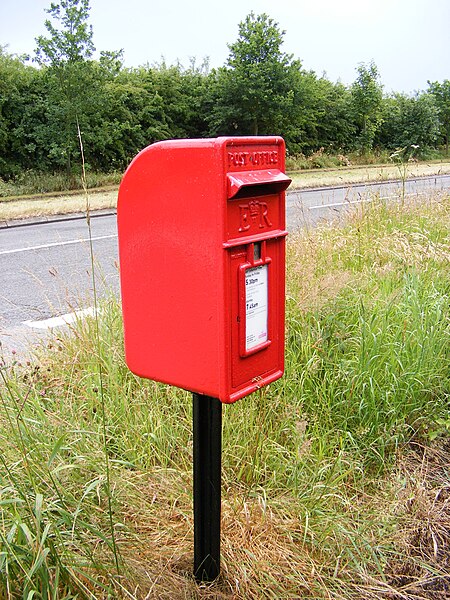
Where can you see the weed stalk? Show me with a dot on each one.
(99, 364)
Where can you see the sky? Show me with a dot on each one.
(408, 40)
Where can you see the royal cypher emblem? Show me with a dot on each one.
(254, 213)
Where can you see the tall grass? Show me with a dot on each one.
(34, 182)
(376, 359)
(326, 159)
(317, 477)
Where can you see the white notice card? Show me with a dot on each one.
(256, 306)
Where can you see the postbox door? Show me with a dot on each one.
(257, 311)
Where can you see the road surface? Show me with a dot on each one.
(46, 269)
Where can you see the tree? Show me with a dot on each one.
(367, 95)
(254, 93)
(73, 41)
(441, 93)
(17, 84)
(409, 122)
(65, 53)
(182, 91)
(329, 122)
(336, 127)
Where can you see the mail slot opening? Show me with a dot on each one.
(256, 183)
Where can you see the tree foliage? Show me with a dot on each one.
(20, 93)
(254, 93)
(72, 41)
(260, 90)
(367, 96)
(441, 94)
(409, 121)
(65, 53)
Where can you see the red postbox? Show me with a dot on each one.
(201, 228)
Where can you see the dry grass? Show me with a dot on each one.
(260, 549)
(419, 567)
(39, 206)
(268, 550)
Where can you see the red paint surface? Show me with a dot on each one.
(189, 212)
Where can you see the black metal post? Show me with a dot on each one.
(207, 428)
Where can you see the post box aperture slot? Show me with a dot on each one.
(247, 184)
(256, 251)
(256, 254)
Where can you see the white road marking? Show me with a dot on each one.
(55, 244)
(348, 202)
(66, 319)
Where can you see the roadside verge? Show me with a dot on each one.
(49, 207)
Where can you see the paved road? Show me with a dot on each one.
(307, 207)
(46, 268)
(46, 271)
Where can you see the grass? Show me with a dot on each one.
(321, 159)
(32, 183)
(49, 206)
(335, 478)
(36, 194)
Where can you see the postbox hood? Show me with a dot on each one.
(250, 183)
